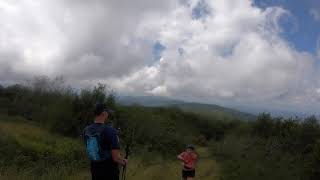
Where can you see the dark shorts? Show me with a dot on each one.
(186, 174)
(104, 171)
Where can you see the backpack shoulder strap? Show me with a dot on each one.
(100, 134)
(101, 129)
(87, 132)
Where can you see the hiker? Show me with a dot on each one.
(189, 160)
(103, 148)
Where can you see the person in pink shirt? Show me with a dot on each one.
(189, 159)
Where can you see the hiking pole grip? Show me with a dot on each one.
(124, 167)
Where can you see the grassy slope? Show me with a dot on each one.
(33, 141)
(34, 153)
(207, 168)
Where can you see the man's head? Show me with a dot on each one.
(102, 112)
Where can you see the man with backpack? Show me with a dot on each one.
(103, 148)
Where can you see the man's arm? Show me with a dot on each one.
(115, 152)
(117, 157)
(83, 136)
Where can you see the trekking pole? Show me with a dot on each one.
(127, 150)
(124, 168)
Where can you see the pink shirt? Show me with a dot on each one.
(189, 159)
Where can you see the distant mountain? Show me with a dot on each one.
(208, 110)
(150, 101)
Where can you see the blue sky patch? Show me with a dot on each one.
(200, 10)
(157, 50)
(301, 30)
(228, 51)
(181, 51)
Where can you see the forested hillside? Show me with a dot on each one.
(41, 124)
(209, 110)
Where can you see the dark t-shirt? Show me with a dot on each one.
(110, 141)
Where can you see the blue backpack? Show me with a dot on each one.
(93, 142)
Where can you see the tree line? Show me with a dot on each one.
(267, 148)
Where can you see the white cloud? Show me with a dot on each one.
(61, 37)
(235, 52)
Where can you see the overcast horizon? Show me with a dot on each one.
(254, 54)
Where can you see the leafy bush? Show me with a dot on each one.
(48, 141)
(24, 145)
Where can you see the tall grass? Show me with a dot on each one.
(156, 168)
(29, 152)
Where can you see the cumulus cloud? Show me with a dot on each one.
(210, 50)
(233, 52)
(78, 39)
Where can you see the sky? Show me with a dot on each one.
(250, 54)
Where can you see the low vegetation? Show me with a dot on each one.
(41, 124)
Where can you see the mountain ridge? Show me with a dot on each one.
(195, 107)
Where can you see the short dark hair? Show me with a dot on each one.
(191, 146)
(100, 107)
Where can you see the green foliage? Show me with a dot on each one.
(53, 104)
(28, 151)
(28, 148)
(62, 110)
(39, 136)
(263, 126)
(276, 148)
(312, 163)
